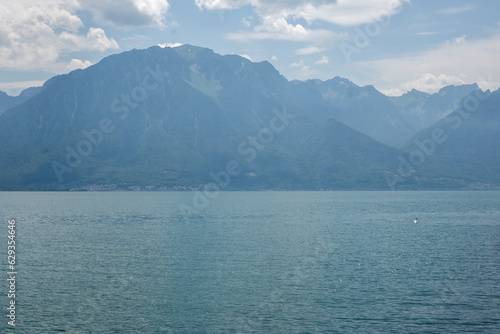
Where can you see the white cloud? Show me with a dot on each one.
(274, 58)
(323, 60)
(169, 45)
(75, 64)
(38, 34)
(128, 13)
(425, 33)
(463, 61)
(309, 50)
(246, 22)
(154, 9)
(33, 36)
(348, 12)
(274, 28)
(136, 38)
(278, 29)
(342, 12)
(222, 4)
(456, 10)
(392, 92)
(431, 83)
(96, 39)
(246, 56)
(302, 70)
(278, 19)
(458, 40)
(300, 65)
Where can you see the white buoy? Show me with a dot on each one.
(416, 220)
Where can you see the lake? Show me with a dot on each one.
(254, 262)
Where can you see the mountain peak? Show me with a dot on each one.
(460, 89)
(189, 51)
(342, 81)
(176, 114)
(30, 92)
(416, 93)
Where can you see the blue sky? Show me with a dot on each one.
(395, 45)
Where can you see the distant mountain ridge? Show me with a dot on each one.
(463, 144)
(7, 101)
(422, 110)
(362, 108)
(188, 118)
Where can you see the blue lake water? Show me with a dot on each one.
(254, 262)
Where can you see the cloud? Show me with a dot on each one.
(35, 36)
(38, 34)
(302, 70)
(222, 4)
(300, 65)
(341, 12)
(169, 45)
(431, 83)
(76, 64)
(246, 22)
(324, 60)
(136, 38)
(456, 10)
(128, 12)
(348, 12)
(458, 40)
(279, 19)
(278, 29)
(96, 39)
(425, 33)
(309, 50)
(246, 56)
(273, 28)
(458, 62)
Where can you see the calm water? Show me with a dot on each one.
(255, 262)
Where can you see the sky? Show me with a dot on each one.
(394, 45)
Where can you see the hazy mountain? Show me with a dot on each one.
(462, 149)
(30, 92)
(422, 110)
(7, 101)
(338, 158)
(170, 117)
(362, 108)
(186, 117)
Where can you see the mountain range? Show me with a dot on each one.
(7, 101)
(422, 110)
(188, 118)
